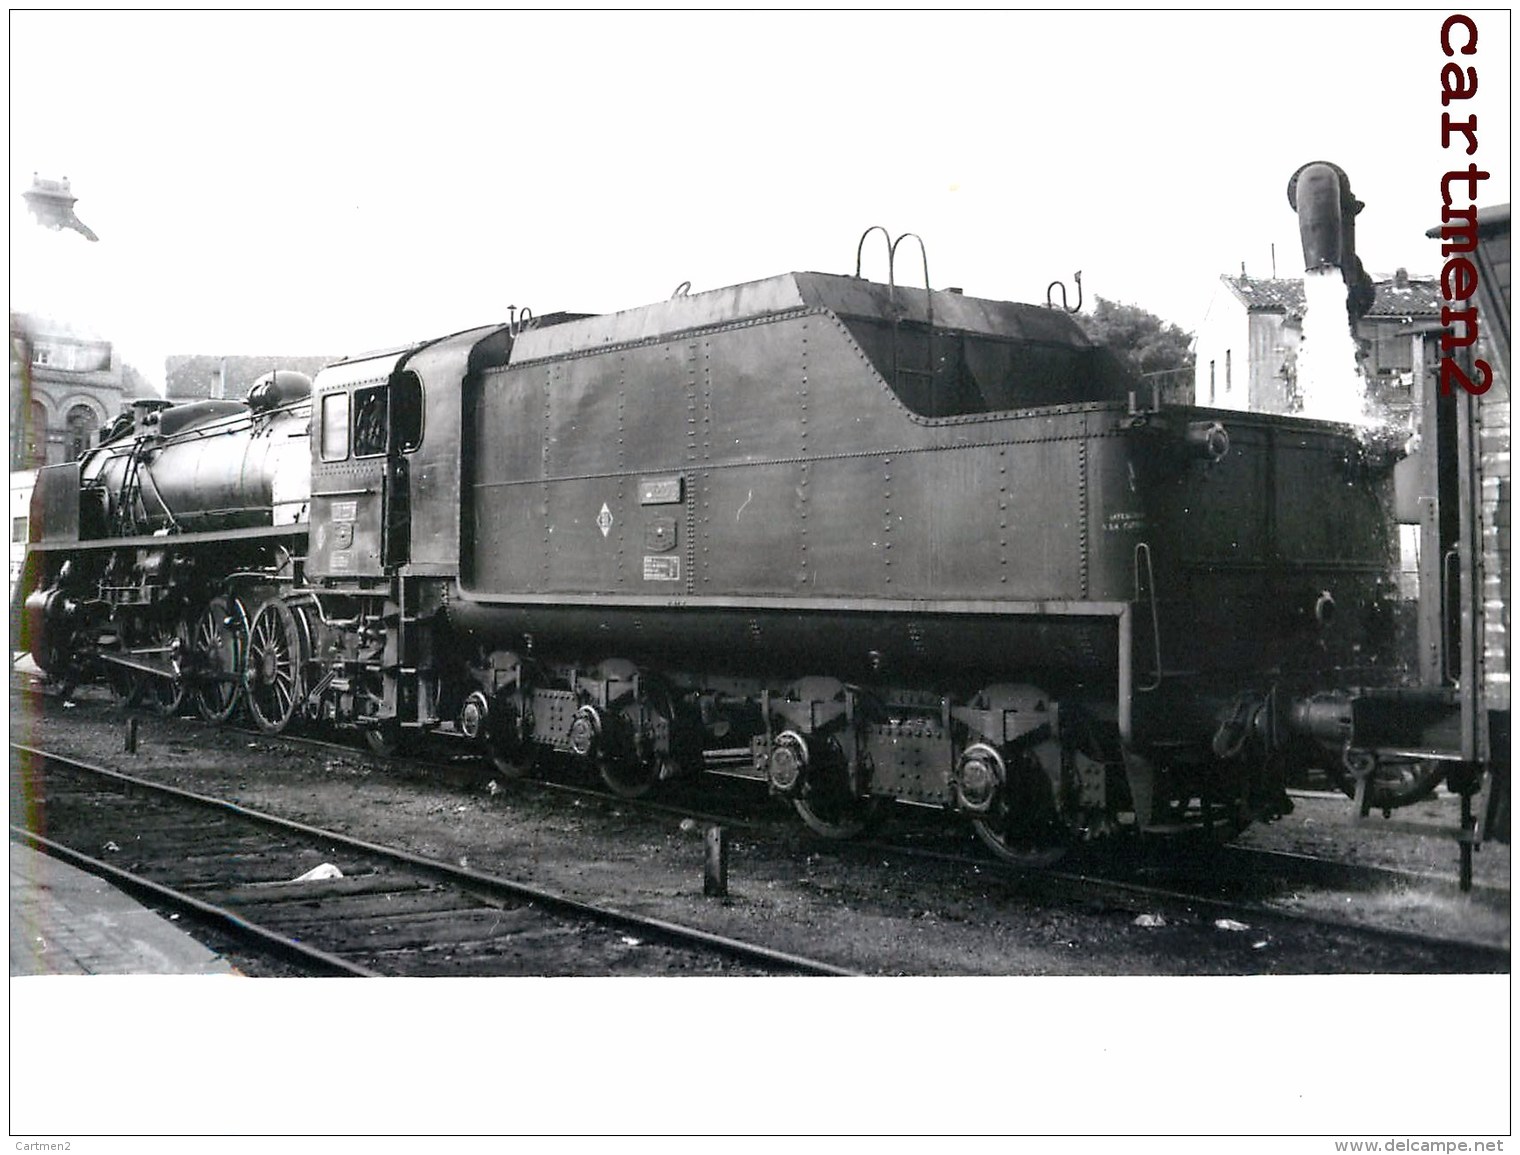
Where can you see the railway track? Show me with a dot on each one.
(1205, 900)
(1279, 896)
(383, 911)
(1220, 867)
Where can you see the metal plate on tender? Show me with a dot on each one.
(660, 490)
(343, 535)
(344, 511)
(660, 535)
(662, 569)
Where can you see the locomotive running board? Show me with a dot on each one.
(158, 541)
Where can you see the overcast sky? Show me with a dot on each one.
(335, 182)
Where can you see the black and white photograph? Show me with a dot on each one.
(858, 575)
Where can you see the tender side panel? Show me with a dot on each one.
(763, 459)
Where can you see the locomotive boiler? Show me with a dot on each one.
(233, 477)
(204, 465)
(861, 543)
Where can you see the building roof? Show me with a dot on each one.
(1398, 296)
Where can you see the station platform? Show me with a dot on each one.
(66, 921)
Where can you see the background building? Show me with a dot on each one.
(21, 500)
(65, 383)
(1247, 348)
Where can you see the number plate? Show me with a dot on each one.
(662, 569)
(660, 490)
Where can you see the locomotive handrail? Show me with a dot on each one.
(216, 427)
(164, 505)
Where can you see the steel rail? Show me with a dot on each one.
(1331, 871)
(311, 957)
(1085, 880)
(1328, 871)
(487, 883)
(470, 765)
(1223, 906)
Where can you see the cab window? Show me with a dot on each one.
(335, 427)
(369, 421)
(406, 411)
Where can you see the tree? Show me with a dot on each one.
(1150, 347)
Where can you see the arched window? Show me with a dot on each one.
(31, 444)
(80, 431)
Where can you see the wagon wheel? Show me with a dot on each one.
(1394, 784)
(170, 641)
(275, 676)
(1022, 825)
(218, 640)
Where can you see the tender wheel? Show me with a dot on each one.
(629, 776)
(824, 803)
(275, 675)
(1021, 824)
(1017, 847)
(839, 818)
(626, 765)
(387, 739)
(513, 764)
(497, 726)
(218, 641)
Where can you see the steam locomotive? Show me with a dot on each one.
(859, 542)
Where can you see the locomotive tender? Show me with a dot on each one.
(857, 541)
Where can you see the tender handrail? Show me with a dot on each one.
(861, 245)
(1050, 296)
(1143, 549)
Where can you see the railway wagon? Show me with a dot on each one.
(860, 542)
